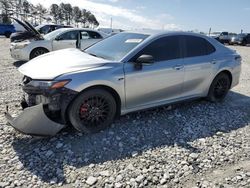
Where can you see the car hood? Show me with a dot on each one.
(29, 28)
(54, 64)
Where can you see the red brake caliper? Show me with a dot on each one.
(83, 110)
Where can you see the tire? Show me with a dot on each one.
(37, 52)
(244, 43)
(7, 34)
(92, 111)
(219, 88)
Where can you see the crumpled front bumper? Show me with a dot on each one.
(34, 121)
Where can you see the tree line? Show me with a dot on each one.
(63, 13)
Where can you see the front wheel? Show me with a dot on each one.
(219, 88)
(92, 111)
(37, 52)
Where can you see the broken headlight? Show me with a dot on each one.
(48, 84)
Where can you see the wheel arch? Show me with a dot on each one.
(227, 72)
(109, 89)
(40, 47)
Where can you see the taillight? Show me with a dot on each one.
(238, 58)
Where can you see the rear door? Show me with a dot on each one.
(66, 40)
(89, 38)
(199, 62)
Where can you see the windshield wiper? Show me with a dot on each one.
(94, 55)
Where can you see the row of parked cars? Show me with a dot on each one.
(233, 39)
(31, 43)
(15, 32)
(115, 75)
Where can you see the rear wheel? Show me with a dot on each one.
(37, 52)
(219, 88)
(244, 43)
(92, 111)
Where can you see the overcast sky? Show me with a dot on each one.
(221, 15)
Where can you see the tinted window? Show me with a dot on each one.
(224, 33)
(163, 49)
(197, 46)
(71, 35)
(94, 35)
(45, 29)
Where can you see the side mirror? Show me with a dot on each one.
(144, 59)
(58, 38)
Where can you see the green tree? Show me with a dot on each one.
(5, 11)
(41, 11)
(26, 8)
(77, 15)
(54, 12)
(68, 11)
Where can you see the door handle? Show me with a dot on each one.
(178, 67)
(214, 62)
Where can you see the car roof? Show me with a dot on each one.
(77, 29)
(155, 33)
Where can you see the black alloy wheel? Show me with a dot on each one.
(92, 111)
(37, 52)
(219, 88)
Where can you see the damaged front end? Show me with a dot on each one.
(45, 104)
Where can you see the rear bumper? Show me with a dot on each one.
(236, 76)
(34, 121)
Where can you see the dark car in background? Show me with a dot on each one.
(41, 29)
(47, 28)
(7, 29)
(241, 39)
(225, 37)
(238, 39)
(246, 40)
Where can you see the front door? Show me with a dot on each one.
(159, 82)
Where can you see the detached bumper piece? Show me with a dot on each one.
(34, 121)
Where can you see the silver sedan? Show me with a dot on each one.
(124, 73)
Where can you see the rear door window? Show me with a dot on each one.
(163, 49)
(197, 46)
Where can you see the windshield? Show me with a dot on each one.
(52, 35)
(116, 47)
(39, 27)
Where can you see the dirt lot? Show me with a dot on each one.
(196, 144)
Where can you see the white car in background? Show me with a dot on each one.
(56, 40)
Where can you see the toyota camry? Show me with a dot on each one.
(124, 73)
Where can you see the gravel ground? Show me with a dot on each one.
(195, 144)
